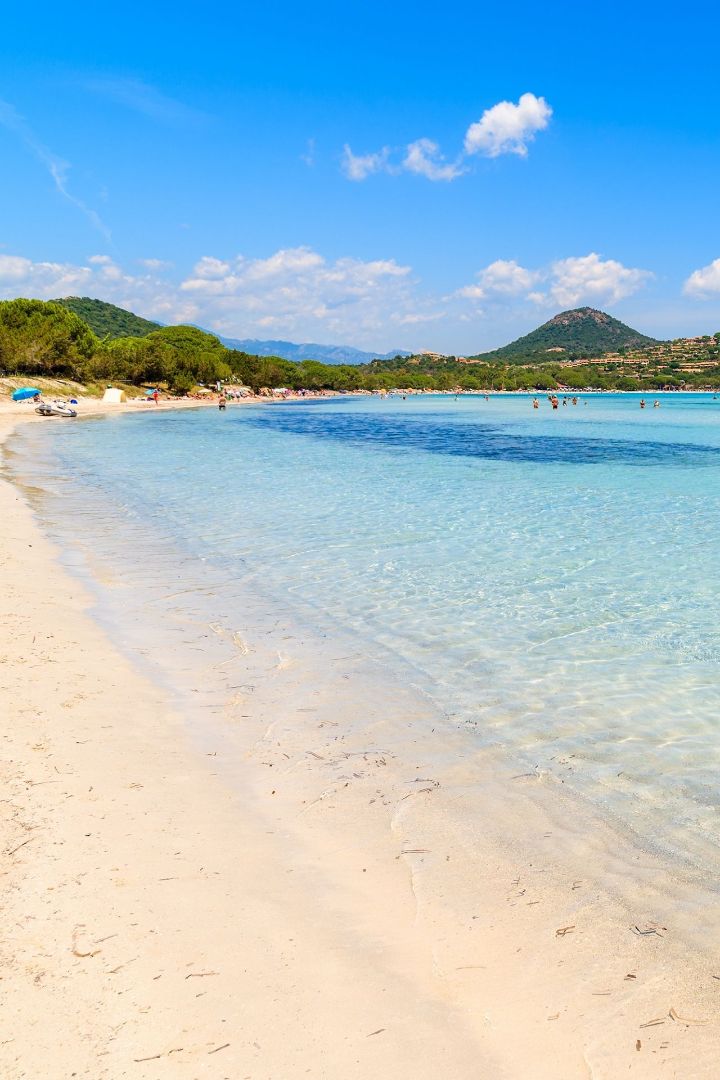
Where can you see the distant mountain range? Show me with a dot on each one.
(326, 354)
(585, 331)
(108, 320)
(580, 332)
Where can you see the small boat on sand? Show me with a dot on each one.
(55, 408)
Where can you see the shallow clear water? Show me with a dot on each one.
(550, 578)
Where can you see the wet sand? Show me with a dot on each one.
(312, 891)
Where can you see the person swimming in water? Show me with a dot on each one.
(536, 403)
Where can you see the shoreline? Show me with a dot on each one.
(409, 945)
(111, 969)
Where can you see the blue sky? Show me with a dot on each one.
(384, 175)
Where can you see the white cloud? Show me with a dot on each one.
(296, 293)
(705, 282)
(503, 277)
(508, 128)
(43, 280)
(592, 278)
(360, 166)
(155, 264)
(424, 158)
(293, 293)
(503, 129)
(568, 282)
(58, 169)
(14, 268)
(209, 268)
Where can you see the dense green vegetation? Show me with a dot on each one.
(107, 320)
(579, 332)
(39, 338)
(46, 338)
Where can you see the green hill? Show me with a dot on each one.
(107, 320)
(581, 332)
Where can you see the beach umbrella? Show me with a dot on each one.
(24, 393)
(149, 393)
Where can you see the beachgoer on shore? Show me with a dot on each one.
(155, 396)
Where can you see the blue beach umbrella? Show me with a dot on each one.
(24, 393)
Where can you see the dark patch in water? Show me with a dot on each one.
(477, 440)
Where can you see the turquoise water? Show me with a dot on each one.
(550, 578)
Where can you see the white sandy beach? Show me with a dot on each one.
(295, 901)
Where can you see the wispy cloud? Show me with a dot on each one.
(57, 167)
(505, 128)
(423, 157)
(155, 264)
(144, 98)
(360, 166)
(308, 157)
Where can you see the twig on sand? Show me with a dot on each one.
(684, 1019)
(653, 1023)
(114, 971)
(648, 930)
(378, 1032)
(78, 952)
(20, 845)
(163, 1053)
(564, 930)
(219, 1048)
(200, 974)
